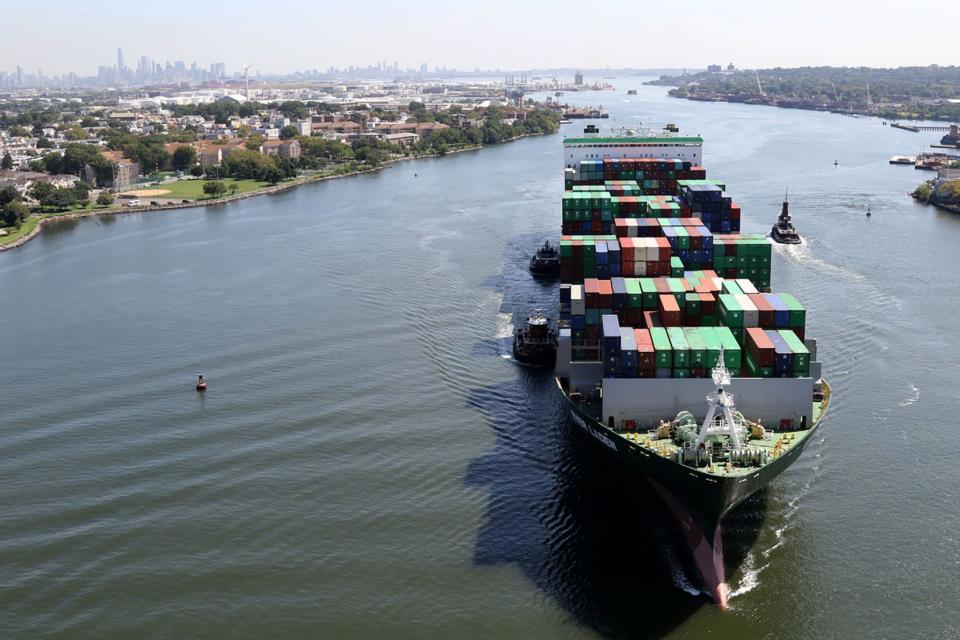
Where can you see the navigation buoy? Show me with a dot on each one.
(201, 385)
(835, 163)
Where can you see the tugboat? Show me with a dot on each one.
(783, 231)
(536, 343)
(546, 261)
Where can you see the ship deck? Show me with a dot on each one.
(776, 443)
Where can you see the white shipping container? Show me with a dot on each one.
(751, 316)
(578, 305)
(746, 286)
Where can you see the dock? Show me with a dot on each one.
(919, 128)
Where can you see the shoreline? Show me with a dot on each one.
(282, 186)
(854, 113)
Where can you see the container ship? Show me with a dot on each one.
(676, 355)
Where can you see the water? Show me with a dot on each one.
(369, 463)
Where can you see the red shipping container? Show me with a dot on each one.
(670, 311)
(664, 245)
(646, 358)
(651, 319)
(605, 294)
(591, 293)
(760, 347)
(765, 309)
(708, 304)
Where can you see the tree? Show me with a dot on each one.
(81, 192)
(254, 142)
(273, 174)
(105, 198)
(214, 188)
(62, 199)
(89, 121)
(75, 133)
(288, 132)
(17, 131)
(41, 191)
(184, 157)
(196, 170)
(7, 195)
(234, 188)
(7, 162)
(294, 109)
(14, 213)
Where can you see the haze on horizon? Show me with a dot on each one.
(299, 35)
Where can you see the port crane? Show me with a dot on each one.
(759, 86)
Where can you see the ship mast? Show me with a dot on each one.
(720, 402)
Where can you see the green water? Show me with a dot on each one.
(369, 463)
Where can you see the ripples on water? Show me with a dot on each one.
(369, 462)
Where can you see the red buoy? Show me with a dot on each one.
(201, 385)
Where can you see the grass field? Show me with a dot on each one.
(15, 234)
(193, 189)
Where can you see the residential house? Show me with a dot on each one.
(282, 148)
(400, 139)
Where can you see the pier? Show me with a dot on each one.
(919, 128)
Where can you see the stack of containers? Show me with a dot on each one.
(646, 353)
(748, 256)
(681, 352)
(782, 355)
(712, 205)
(628, 353)
(761, 354)
(590, 172)
(663, 352)
(801, 355)
(578, 256)
(611, 346)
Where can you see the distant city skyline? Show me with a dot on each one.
(496, 34)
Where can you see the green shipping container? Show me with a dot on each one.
(634, 293)
(712, 342)
(681, 350)
(801, 355)
(731, 314)
(650, 294)
(798, 315)
(698, 348)
(732, 353)
(681, 372)
(661, 347)
(692, 304)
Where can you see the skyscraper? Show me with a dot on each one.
(119, 59)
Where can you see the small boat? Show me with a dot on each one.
(868, 211)
(631, 92)
(903, 160)
(536, 343)
(546, 261)
(783, 231)
(201, 383)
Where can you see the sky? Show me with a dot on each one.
(57, 36)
